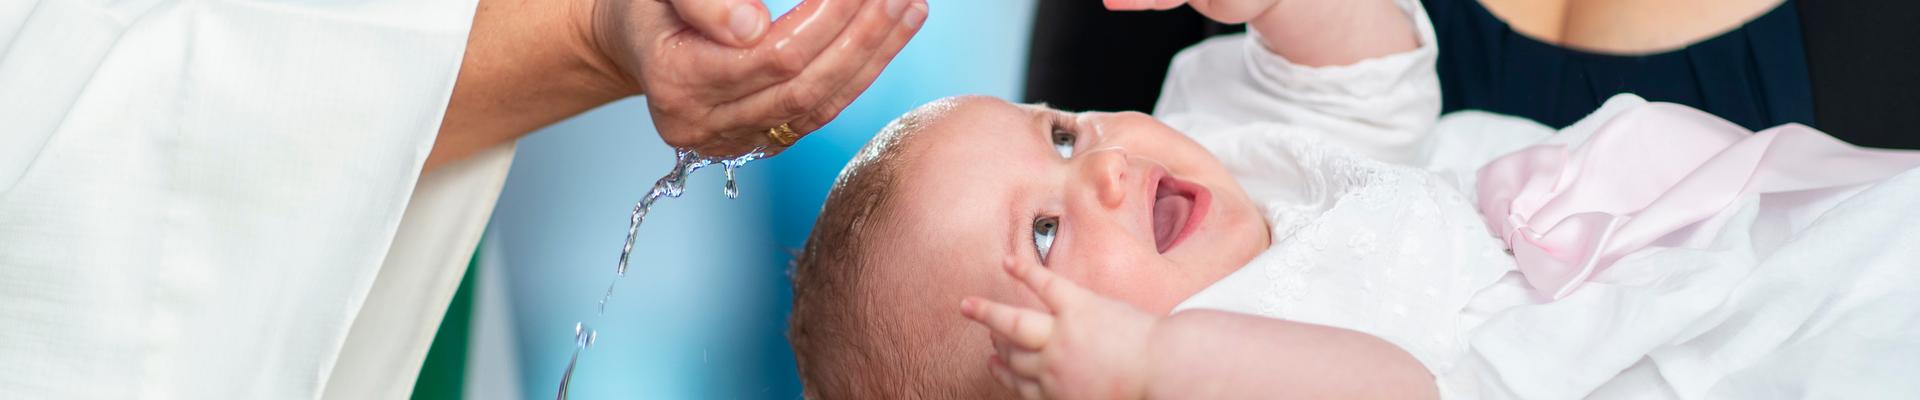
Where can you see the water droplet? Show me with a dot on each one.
(732, 191)
(604, 297)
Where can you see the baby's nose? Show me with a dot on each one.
(1108, 169)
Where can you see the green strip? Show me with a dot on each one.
(443, 376)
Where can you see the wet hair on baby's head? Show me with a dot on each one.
(842, 349)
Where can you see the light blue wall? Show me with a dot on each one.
(702, 312)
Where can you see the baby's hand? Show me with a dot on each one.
(1090, 347)
(1225, 11)
(1314, 33)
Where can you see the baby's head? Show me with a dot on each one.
(926, 213)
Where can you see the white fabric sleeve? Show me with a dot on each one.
(196, 197)
(1383, 107)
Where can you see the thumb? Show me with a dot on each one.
(737, 23)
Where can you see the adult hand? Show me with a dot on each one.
(1087, 347)
(722, 100)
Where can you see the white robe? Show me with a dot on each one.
(208, 199)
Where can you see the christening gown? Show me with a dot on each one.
(1648, 251)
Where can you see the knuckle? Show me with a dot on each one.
(813, 93)
(824, 115)
(786, 62)
(799, 101)
(870, 35)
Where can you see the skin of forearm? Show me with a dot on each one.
(1204, 354)
(1321, 33)
(528, 64)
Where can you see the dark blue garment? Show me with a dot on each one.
(1755, 76)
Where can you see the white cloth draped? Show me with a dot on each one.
(205, 199)
(1779, 294)
(1375, 230)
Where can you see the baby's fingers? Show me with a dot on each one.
(1026, 328)
(1059, 294)
(1026, 363)
(1028, 387)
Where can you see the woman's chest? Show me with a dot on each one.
(1626, 26)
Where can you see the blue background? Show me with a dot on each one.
(702, 313)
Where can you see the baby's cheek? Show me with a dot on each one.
(1148, 283)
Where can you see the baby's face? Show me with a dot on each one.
(1119, 203)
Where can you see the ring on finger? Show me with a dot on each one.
(783, 135)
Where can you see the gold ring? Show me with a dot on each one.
(783, 135)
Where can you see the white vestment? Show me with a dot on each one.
(204, 199)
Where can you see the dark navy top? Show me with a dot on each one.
(1755, 75)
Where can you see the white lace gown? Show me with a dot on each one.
(1366, 194)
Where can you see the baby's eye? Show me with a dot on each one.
(1044, 229)
(1063, 142)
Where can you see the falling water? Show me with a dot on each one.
(672, 185)
(582, 339)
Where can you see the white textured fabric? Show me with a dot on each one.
(1325, 154)
(1828, 312)
(1365, 238)
(1808, 294)
(1380, 107)
(1373, 231)
(197, 197)
(1386, 249)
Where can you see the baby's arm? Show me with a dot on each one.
(1383, 105)
(1313, 33)
(1206, 354)
(1092, 347)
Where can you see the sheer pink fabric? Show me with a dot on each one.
(1655, 175)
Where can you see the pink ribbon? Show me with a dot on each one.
(1654, 175)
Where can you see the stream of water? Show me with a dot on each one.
(671, 185)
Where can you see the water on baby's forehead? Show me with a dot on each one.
(672, 185)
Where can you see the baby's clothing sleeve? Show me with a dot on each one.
(1383, 107)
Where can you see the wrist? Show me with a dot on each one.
(593, 38)
(1162, 340)
(525, 67)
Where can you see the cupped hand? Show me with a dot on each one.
(707, 95)
(1087, 347)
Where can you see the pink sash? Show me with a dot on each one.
(1654, 175)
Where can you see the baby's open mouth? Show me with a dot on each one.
(1177, 208)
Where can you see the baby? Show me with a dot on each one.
(1295, 223)
(1121, 203)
